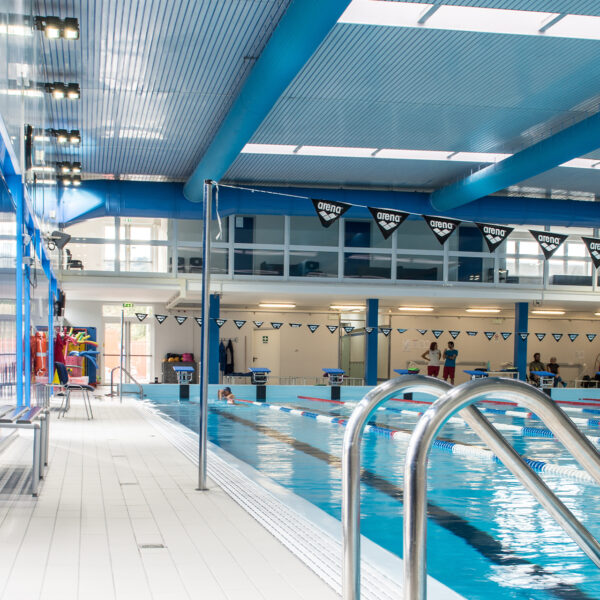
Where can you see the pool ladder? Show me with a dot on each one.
(451, 401)
(139, 385)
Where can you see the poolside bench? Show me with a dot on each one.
(37, 419)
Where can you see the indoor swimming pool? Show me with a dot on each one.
(487, 537)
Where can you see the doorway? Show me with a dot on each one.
(266, 350)
(137, 343)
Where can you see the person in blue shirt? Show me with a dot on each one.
(450, 354)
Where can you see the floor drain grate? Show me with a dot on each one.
(146, 546)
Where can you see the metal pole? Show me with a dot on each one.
(121, 359)
(204, 358)
(427, 428)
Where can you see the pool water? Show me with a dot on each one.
(487, 537)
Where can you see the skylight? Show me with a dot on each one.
(471, 18)
(398, 154)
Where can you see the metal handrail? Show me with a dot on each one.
(505, 452)
(124, 370)
(460, 400)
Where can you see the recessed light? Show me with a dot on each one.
(276, 305)
(547, 312)
(346, 307)
(416, 308)
(483, 310)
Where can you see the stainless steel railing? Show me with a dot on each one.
(460, 399)
(415, 473)
(124, 370)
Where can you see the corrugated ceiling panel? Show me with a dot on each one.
(157, 77)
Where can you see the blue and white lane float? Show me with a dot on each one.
(457, 448)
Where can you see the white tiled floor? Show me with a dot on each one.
(119, 517)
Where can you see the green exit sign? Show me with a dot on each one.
(127, 304)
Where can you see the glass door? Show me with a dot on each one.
(137, 340)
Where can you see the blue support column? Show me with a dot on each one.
(16, 190)
(371, 341)
(214, 309)
(27, 331)
(520, 348)
(51, 297)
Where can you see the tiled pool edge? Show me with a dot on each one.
(307, 531)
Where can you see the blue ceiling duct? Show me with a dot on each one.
(301, 29)
(575, 141)
(166, 200)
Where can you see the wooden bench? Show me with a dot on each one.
(38, 420)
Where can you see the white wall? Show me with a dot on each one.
(304, 354)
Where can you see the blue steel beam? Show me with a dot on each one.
(299, 33)
(575, 141)
(166, 200)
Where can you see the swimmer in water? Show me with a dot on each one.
(225, 394)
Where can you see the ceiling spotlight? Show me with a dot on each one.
(73, 91)
(76, 180)
(64, 167)
(76, 168)
(66, 181)
(74, 136)
(54, 28)
(62, 137)
(71, 29)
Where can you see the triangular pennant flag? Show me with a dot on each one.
(329, 211)
(489, 334)
(220, 322)
(385, 330)
(523, 335)
(472, 333)
(573, 336)
(442, 227)
(348, 329)
(296, 325)
(239, 324)
(540, 336)
(141, 316)
(402, 330)
(387, 219)
(454, 333)
(198, 320)
(258, 324)
(332, 328)
(161, 318)
(494, 235)
(369, 329)
(591, 336)
(180, 320)
(557, 336)
(422, 331)
(437, 332)
(505, 334)
(276, 325)
(549, 242)
(593, 247)
(313, 328)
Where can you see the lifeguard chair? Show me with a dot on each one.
(259, 377)
(336, 378)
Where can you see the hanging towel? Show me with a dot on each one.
(222, 357)
(229, 368)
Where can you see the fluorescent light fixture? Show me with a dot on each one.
(22, 30)
(41, 138)
(412, 154)
(277, 305)
(416, 308)
(42, 169)
(471, 18)
(483, 310)
(486, 157)
(140, 134)
(268, 149)
(597, 314)
(337, 151)
(348, 307)
(547, 312)
(47, 181)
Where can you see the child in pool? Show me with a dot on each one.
(226, 394)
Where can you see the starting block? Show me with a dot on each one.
(336, 377)
(259, 377)
(546, 380)
(184, 377)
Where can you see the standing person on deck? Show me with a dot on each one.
(450, 354)
(433, 356)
